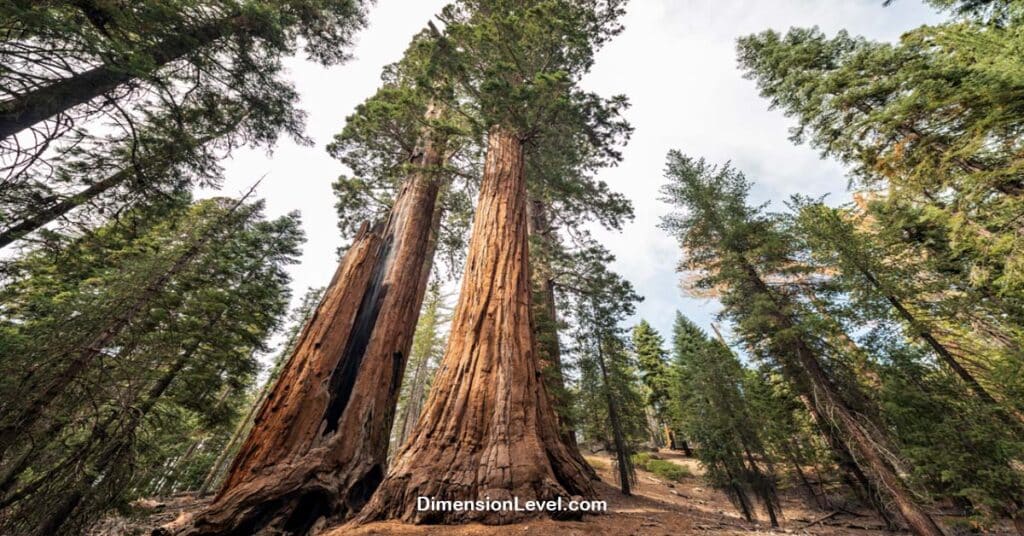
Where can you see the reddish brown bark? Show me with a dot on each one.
(488, 429)
(318, 447)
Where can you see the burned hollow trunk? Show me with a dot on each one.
(318, 447)
(488, 430)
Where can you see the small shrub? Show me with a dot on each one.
(640, 459)
(668, 470)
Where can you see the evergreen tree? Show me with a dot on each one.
(427, 349)
(716, 413)
(738, 247)
(521, 63)
(932, 122)
(612, 407)
(176, 365)
(654, 371)
(129, 100)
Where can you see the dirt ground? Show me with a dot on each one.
(656, 508)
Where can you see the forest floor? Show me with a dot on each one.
(657, 507)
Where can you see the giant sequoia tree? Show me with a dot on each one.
(489, 424)
(318, 446)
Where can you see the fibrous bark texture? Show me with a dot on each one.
(318, 447)
(488, 430)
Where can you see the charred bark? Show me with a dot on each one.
(488, 429)
(319, 444)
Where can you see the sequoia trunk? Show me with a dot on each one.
(488, 430)
(319, 444)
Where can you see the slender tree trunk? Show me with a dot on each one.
(824, 396)
(79, 360)
(625, 464)
(69, 502)
(741, 495)
(40, 104)
(488, 429)
(765, 487)
(669, 436)
(414, 404)
(1011, 418)
(549, 349)
(156, 163)
(318, 448)
(820, 499)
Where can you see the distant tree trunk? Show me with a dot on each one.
(625, 464)
(654, 428)
(827, 399)
(765, 487)
(488, 428)
(795, 459)
(741, 495)
(40, 104)
(414, 404)
(549, 349)
(319, 444)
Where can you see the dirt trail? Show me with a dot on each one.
(657, 508)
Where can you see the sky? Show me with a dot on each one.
(675, 62)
